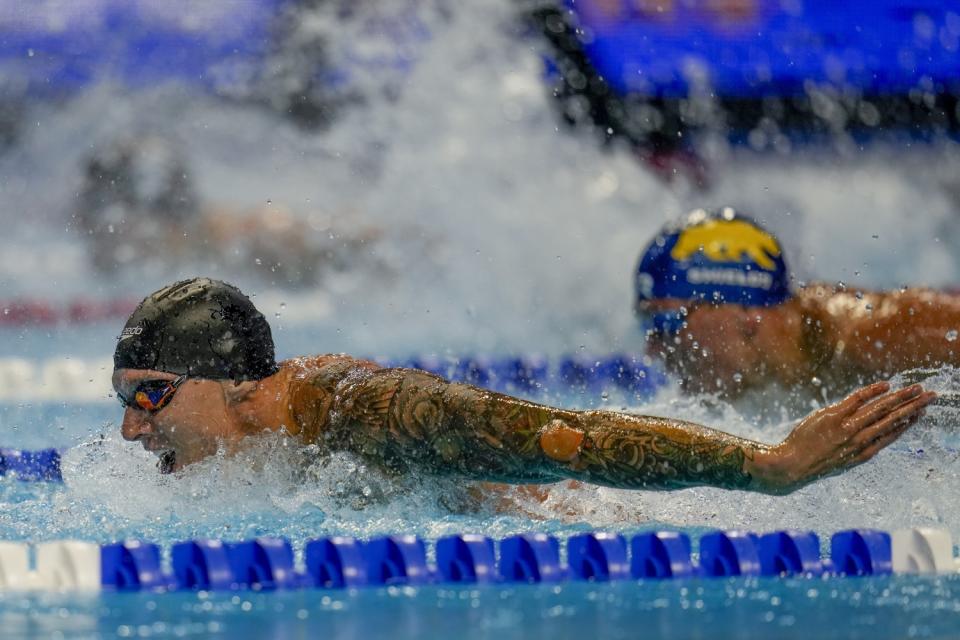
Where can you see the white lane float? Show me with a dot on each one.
(56, 379)
(922, 551)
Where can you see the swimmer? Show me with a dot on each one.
(138, 205)
(194, 366)
(717, 305)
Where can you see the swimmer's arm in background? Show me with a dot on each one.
(411, 419)
(881, 333)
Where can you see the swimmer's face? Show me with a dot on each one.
(727, 347)
(192, 426)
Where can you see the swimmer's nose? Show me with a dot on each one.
(135, 424)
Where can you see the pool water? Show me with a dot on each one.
(876, 608)
(503, 234)
(112, 491)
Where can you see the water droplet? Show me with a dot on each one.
(815, 381)
(257, 261)
(738, 377)
(605, 396)
(951, 335)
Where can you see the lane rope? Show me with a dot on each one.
(88, 380)
(266, 564)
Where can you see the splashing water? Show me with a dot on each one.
(112, 490)
(503, 233)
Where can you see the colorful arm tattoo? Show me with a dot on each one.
(408, 419)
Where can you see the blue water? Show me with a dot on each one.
(112, 491)
(735, 608)
(503, 234)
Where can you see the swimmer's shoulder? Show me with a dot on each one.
(326, 370)
(841, 300)
(313, 386)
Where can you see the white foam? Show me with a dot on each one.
(113, 488)
(910, 484)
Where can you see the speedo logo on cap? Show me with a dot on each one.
(728, 241)
(129, 332)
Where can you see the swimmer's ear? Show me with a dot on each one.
(237, 392)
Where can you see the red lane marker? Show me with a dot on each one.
(23, 312)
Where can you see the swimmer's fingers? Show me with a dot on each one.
(891, 417)
(864, 448)
(869, 439)
(879, 409)
(893, 425)
(853, 402)
(883, 441)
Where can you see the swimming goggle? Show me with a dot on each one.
(152, 395)
(669, 322)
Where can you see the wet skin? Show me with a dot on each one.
(408, 420)
(823, 338)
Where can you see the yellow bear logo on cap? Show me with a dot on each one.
(728, 241)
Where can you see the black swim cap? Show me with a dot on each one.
(200, 327)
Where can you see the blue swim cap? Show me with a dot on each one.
(718, 256)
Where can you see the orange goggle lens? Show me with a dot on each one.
(154, 395)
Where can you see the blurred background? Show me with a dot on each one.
(436, 178)
(412, 176)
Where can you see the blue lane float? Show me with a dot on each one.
(529, 374)
(598, 557)
(466, 559)
(660, 555)
(861, 552)
(533, 558)
(335, 563)
(263, 564)
(790, 553)
(396, 560)
(729, 553)
(202, 565)
(31, 466)
(131, 566)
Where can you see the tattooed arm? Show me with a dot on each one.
(410, 419)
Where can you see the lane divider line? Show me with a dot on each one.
(81, 380)
(267, 564)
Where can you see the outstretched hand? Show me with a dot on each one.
(843, 435)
